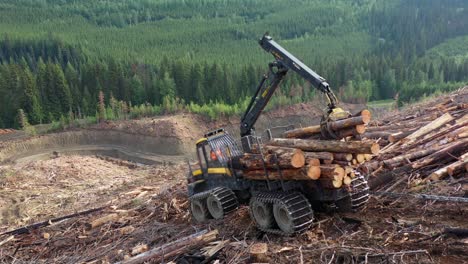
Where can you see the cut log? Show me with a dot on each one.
(102, 220)
(376, 135)
(302, 132)
(348, 122)
(364, 113)
(395, 137)
(306, 173)
(398, 160)
(287, 159)
(360, 158)
(343, 156)
(313, 162)
(368, 157)
(347, 180)
(439, 122)
(329, 171)
(338, 127)
(397, 127)
(352, 131)
(330, 146)
(317, 155)
(459, 166)
(348, 170)
(451, 169)
(449, 152)
(331, 176)
(174, 248)
(258, 253)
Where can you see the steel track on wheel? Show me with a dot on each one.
(226, 196)
(297, 205)
(359, 192)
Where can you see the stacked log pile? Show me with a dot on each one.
(428, 141)
(310, 154)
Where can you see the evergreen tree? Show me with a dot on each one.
(101, 107)
(31, 102)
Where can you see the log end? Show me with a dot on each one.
(360, 129)
(298, 159)
(375, 149)
(313, 172)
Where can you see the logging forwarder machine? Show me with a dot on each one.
(277, 206)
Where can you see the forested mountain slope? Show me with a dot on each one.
(56, 56)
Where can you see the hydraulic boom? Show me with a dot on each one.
(284, 61)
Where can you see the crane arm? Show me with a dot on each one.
(284, 61)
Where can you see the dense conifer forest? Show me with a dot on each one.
(61, 59)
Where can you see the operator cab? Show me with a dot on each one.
(207, 156)
(215, 149)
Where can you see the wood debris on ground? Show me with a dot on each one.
(145, 209)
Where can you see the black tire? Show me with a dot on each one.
(199, 210)
(215, 207)
(283, 218)
(261, 213)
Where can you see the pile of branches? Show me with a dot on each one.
(327, 153)
(428, 140)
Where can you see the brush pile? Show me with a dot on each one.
(327, 153)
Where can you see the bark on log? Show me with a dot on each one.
(306, 173)
(446, 153)
(174, 248)
(349, 122)
(364, 113)
(376, 135)
(303, 132)
(398, 160)
(459, 166)
(336, 126)
(317, 155)
(396, 126)
(330, 146)
(343, 156)
(356, 131)
(451, 169)
(287, 159)
(444, 119)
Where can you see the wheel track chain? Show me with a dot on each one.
(225, 195)
(360, 191)
(298, 206)
(227, 198)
